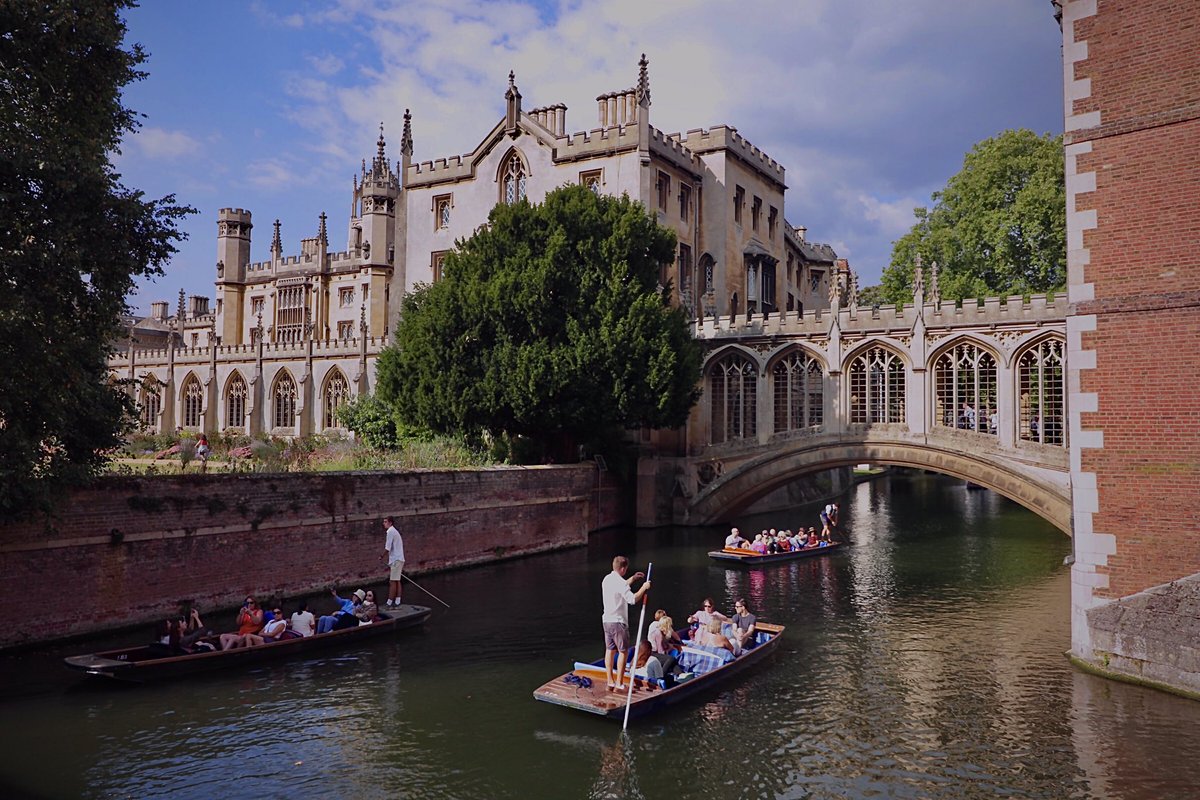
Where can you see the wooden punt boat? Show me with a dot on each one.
(145, 663)
(740, 555)
(648, 696)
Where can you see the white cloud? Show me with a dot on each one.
(157, 143)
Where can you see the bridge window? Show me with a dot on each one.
(285, 402)
(799, 392)
(876, 387)
(193, 402)
(732, 391)
(235, 403)
(965, 389)
(1042, 413)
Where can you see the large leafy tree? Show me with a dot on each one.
(72, 240)
(998, 228)
(548, 323)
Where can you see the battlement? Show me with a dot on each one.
(238, 214)
(598, 141)
(452, 168)
(725, 137)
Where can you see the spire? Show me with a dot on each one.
(935, 294)
(918, 282)
(852, 291)
(643, 84)
(406, 140)
(512, 100)
(381, 144)
(322, 234)
(276, 242)
(181, 314)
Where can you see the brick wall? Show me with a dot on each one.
(1132, 88)
(131, 550)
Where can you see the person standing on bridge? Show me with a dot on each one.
(617, 598)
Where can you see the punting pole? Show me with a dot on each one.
(423, 589)
(636, 642)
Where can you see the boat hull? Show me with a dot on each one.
(646, 700)
(739, 556)
(139, 664)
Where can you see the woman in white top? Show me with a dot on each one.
(271, 632)
(303, 622)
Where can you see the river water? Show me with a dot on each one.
(923, 661)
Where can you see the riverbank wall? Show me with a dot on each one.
(132, 550)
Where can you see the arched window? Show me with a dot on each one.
(732, 390)
(193, 402)
(285, 402)
(1043, 414)
(149, 404)
(337, 392)
(965, 389)
(235, 402)
(799, 392)
(512, 179)
(876, 387)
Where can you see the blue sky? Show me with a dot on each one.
(869, 104)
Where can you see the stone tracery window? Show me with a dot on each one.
(513, 179)
(337, 392)
(284, 398)
(149, 404)
(733, 391)
(799, 392)
(965, 389)
(876, 387)
(235, 402)
(193, 402)
(1042, 411)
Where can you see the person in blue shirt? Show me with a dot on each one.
(338, 618)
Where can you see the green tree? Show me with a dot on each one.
(547, 324)
(72, 240)
(998, 228)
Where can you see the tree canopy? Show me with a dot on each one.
(72, 240)
(547, 322)
(998, 228)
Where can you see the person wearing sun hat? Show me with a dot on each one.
(344, 617)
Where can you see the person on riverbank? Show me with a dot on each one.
(202, 452)
(393, 546)
(617, 597)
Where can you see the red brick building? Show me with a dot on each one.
(1132, 105)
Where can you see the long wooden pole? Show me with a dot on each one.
(636, 642)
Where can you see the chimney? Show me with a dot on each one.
(158, 310)
(197, 306)
(801, 232)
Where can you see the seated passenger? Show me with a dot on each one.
(714, 638)
(760, 545)
(734, 539)
(271, 632)
(743, 624)
(662, 637)
(658, 666)
(343, 617)
(706, 614)
(303, 621)
(249, 620)
(367, 611)
(193, 629)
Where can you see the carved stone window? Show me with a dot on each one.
(772, 222)
(799, 392)
(284, 398)
(290, 313)
(193, 402)
(149, 404)
(965, 389)
(235, 402)
(441, 211)
(755, 213)
(1042, 411)
(346, 297)
(345, 329)
(513, 179)
(685, 201)
(733, 392)
(815, 277)
(592, 179)
(739, 200)
(337, 392)
(437, 263)
(876, 387)
(664, 190)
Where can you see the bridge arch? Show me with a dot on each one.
(1045, 492)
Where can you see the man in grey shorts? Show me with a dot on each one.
(617, 599)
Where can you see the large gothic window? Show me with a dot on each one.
(235, 402)
(799, 392)
(732, 391)
(876, 387)
(512, 180)
(1042, 411)
(290, 313)
(149, 404)
(284, 398)
(337, 392)
(193, 402)
(965, 389)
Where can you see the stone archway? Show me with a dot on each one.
(1045, 492)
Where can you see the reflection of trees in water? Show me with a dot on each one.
(617, 778)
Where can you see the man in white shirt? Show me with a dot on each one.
(734, 539)
(394, 553)
(617, 599)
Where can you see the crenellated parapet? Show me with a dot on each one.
(724, 137)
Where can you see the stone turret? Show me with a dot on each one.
(379, 188)
(233, 244)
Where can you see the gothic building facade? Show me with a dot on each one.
(290, 339)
